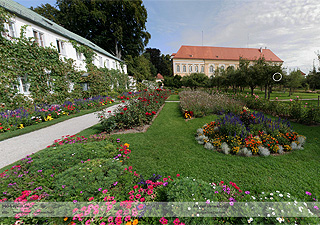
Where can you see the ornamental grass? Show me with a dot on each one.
(201, 103)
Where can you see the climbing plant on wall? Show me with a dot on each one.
(47, 75)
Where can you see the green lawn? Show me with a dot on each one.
(174, 98)
(169, 147)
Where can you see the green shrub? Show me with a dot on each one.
(88, 177)
(66, 156)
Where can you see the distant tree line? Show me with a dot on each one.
(256, 75)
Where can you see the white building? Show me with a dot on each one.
(48, 33)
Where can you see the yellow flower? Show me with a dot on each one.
(21, 126)
(127, 145)
(135, 222)
(129, 223)
(65, 219)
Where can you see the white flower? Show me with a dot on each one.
(278, 191)
(271, 194)
(192, 194)
(268, 215)
(281, 195)
(310, 212)
(262, 193)
(194, 199)
(250, 220)
(197, 214)
(194, 179)
(300, 208)
(189, 208)
(271, 198)
(273, 213)
(196, 203)
(280, 219)
(253, 197)
(305, 204)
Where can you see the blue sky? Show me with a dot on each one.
(290, 28)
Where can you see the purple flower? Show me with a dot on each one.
(20, 175)
(99, 189)
(216, 192)
(231, 199)
(316, 207)
(39, 171)
(115, 183)
(231, 203)
(75, 201)
(247, 192)
(165, 184)
(63, 186)
(308, 193)
(4, 193)
(52, 175)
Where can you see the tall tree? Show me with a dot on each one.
(294, 80)
(118, 26)
(48, 11)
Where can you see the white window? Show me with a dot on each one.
(61, 47)
(38, 38)
(100, 61)
(23, 85)
(202, 69)
(211, 69)
(12, 30)
(196, 69)
(79, 55)
(178, 68)
(190, 68)
(107, 63)
(184, 68)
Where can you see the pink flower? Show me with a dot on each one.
(104, 191)
(142, 199)
(178, 175)
(290, 100)
(110, 219)
(138, 196)
(276, 98)
(308, 193)
(91, 198)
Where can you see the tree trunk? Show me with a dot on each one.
(265, 91)
(252, 88)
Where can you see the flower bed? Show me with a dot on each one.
(73, 175)
(134, 112)
(18, 119)
(249, 133)
(201, 103)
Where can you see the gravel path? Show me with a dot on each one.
(16, 148)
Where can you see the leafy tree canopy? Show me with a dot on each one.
(118, 26)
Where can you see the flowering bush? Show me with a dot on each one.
(247, 131)
(135, 111)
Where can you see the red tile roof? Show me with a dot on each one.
(159, 76)
(224, 53)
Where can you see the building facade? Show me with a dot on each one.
(205, 59)
(48, 33)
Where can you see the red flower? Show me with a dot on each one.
(121, 97)
(125, 109)
(121, 113)
(147, 113)
(178, 175)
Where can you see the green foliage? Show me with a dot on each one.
(88, 177)
(118, 27)
(49, 76)
(174, 82)
(294, 80)
(195, 80)
(139, 67)
(67, 156)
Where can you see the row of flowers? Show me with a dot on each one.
(135, 111)
(249, 133)
(20, 118)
